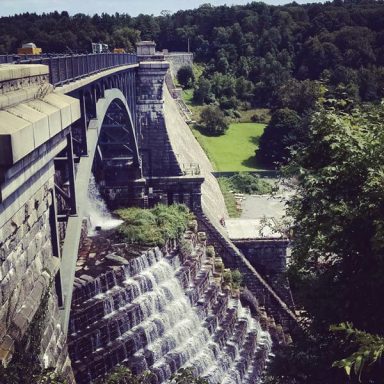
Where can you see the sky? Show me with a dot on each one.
(132, 7)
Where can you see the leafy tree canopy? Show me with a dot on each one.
(281, 132)
(338, 242)
(185, 76)
(213, 120)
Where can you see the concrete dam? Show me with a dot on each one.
(101, 303)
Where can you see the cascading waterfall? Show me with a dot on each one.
(161, 313)
(97, 211)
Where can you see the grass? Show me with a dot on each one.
(195, 108)
(234, 151)
(229, 197)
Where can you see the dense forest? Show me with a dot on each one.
(250, 51)
(320, 69)
(257, 55)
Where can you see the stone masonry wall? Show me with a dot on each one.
(266, 297)
(178, 60)
(158, 157)
(27, 270)
(268, 257)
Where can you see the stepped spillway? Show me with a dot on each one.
(161, 311)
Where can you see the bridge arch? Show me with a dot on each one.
(96, 129)
(117, 160)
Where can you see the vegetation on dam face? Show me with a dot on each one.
(153, 226)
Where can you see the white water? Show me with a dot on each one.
(160, 329)
(96, 210)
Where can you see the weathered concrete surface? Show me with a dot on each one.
(178, 60)
(33, 127)
(188, 151)
(27, 269)
(31, 114)
(256, 206)
(243, 229)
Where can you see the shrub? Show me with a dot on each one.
(186, 376)
(123, 375)
(260, 117)
(237, 279)
(237, 114)
(250, 184)
(283, 131)
(227, 277)
(210, 251)
(202, 93)
(153, 226)
(229, 103)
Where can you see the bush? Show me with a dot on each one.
(260, 117)
(227, 277)
(283, 131)
(153, 226)
(229, 103)
(123, 375)
(237, 279)
(237, 114)
(233, 278)
(186, 376)
(210, 251)
(250, 184)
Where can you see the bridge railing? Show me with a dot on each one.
(64, 69)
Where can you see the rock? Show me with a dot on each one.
(117, 259)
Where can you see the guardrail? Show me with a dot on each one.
(64, 69)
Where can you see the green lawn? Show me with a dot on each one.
(234, 151)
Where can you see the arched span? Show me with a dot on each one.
(110, 96)
(117, 160)
(84, 169)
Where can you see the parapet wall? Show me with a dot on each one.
(178, 60)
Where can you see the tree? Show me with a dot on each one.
(337, 262)
(202, 93)
(213, 120)
(281, 132)
(125, 38)
(370, 349)
(185, 76)
(301, 96)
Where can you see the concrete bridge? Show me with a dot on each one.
(61, 118)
